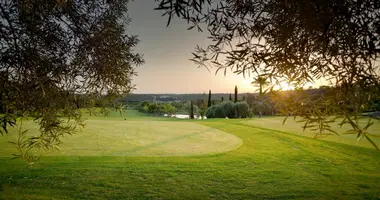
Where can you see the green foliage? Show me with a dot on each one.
(120, 107)
(154, 108)
(261, 82)
(243, 109)
(227, 109)
(219, 112)
(209, 99)
(157, 108)
(191, 110)
(169, 109)
(91, 110)
(105, 111)
(177, 105)
(250, 113)
(202, 112)
(54, 51)
(236, 94)
(187, 108)
(210, 112)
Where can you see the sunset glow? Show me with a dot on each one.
(284, 86)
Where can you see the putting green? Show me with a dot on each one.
(139, 138)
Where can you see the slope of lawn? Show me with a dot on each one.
(291, 126)
(268, 165)
(135, 138)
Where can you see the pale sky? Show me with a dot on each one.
(167, 51)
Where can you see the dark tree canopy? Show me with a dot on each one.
(236, 94)
(191, 110)
(209, 99)
(50, 51)
(296, 41)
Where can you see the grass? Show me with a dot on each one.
(291, 126)
(268, 165)
(137, 138)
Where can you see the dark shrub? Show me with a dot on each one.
(243, 109)
(210, 112)
(219, 112)
(228, 108)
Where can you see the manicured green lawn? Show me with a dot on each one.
(136, 138)
(268, 165)
(291, 126)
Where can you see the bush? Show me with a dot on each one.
(178, 105)
(243, 109)
(155, 108)
(143, 107)
(228, 108)
(210, 112)
(169, 109)
(202, 112)
(250, 113)
(219, 112)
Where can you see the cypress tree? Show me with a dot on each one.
(191, 110)
(230, 97)
(222, 99)
(209, 99)
(236, 94)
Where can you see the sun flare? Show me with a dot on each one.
(284, 86)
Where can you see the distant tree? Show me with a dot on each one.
(251, 99)
(210, 112)
(202, 110)
(178, 105)
(187, 108)
(219, 111)
(191, 110)
(225, 109)
(229, 109)
(199, 102)
(236, 94)
(152, 108)
(169, 109)
(243, 99)
(243, 109)
(260, 82)
(230, 98)
(222, 99)
(209, 99)
(236, 100)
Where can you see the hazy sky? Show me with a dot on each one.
(167, 51)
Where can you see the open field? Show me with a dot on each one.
(268, 164)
